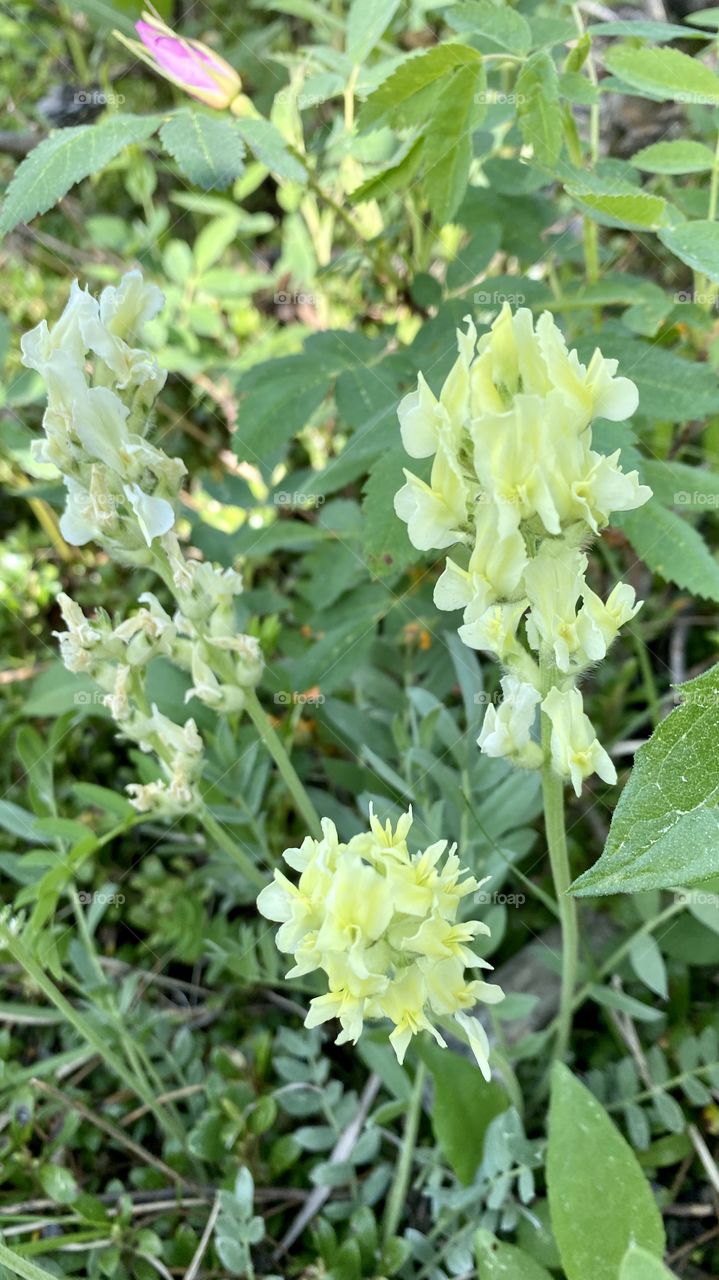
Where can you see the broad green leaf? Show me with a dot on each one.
(366, 22)
(387, 549)
(643, 30)
(495, 28)
(682, 156)
(447, 151)
(269, 147)
(647, 962)
(397, 175)
(464, 1106)
(667, 74)
(704, 17)
(58, 1183)
(578, 88)
(599, 1199)
(538, 108)
(498, 1261)
(696, 244)
(665, 829)
(637, 1264)
(208, 149)
(637, 210)
(404, 97)
(672, 547)
(66, 157)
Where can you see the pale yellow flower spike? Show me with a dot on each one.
(516, 481)
(381, 923)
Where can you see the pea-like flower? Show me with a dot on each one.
(382, 924)
(121, 491)
(515, 481)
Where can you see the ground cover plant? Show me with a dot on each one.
(360, 852)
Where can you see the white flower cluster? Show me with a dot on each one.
(515, 479)
(100, 389)
(121, 492)
(382, 925)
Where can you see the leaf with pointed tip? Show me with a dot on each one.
(66, 157)
(599, 1200)
(665, 829)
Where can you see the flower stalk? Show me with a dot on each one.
(554, 824)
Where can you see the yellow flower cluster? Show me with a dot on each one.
(515, 479)
(382, 925)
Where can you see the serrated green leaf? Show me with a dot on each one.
(599, 1199)
(538, 108)
(696, 244)
(637, 1264)
(499, 1261)
(637, 210)
(671, 547)
(404, 97)
(269, 147)
(208, 149)
(279, 396)
(495, 29)
(681, 156)
(665, 828)
(677, 484)
(447, 151)
(66, 157)
(665, 73)
(367, 20)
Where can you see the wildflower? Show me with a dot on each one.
(576, 751)
(381, 923)
(506, 730)
(121, 492)
(436, 512)
(515, 479)
(189, 64)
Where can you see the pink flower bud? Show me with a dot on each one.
(189, 64)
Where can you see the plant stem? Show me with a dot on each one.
(590, 229)
(284, 765)
(403, 1168)
(217, 832)
(553, 793)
